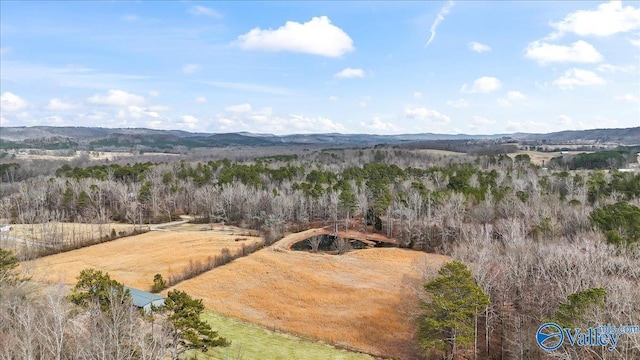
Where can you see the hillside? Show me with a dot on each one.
(93, 138)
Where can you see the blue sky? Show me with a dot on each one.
(307, 67)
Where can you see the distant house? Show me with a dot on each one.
(144, 300)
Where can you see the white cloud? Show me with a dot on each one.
(578, 77)
(333, 98)
(54, 120)
(200, 99)
(188, 121)
(635, 42)
(154, 93)
(244, 118)
(198, 10)
(564, 119)
(439, 18)
(248, 87)
(379, 126)
(242, 108)
(130, 17)
(614, 68)
(480, 122)
(12, 102)
(318, 36)
(59, 105)
(191, 68)
(515, 95)
(350, 73)
(628, 97)
(511, 96)
(478, 47)
(580, 52)
(538, 127)
(364, 101)
(417, 95)
(116, 98)
(460, 103)
(504, 102)
(427, 116)
(137, 112)
(485, 84)
(310, 124)
(159, 108)
(608, 19)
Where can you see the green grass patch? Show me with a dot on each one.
(249, 341)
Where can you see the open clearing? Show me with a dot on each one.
(436, 152)
(251, 342)
(134, 260)
(362, 300)
(68, 155)
(543, 158)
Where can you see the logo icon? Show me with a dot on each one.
(549, 336)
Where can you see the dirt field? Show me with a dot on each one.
(362, 300)
(436, 152)
(136, 259)
(542, 158)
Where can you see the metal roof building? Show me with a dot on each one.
(145, 300)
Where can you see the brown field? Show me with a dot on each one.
(542, 158)
(363, 300)
(134, 260)
(436, 152)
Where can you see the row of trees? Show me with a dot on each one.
(530, 237)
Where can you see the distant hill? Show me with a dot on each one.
(94, 138)
(628, 136)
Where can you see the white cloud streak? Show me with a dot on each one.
(349, 73)
(116, 98)
(199, 10)
(439, 18)
(191, 68)
(478, 47)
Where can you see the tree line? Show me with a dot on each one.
(531, 237)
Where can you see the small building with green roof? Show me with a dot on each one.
(145, 300)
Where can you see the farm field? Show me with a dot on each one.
(252, 342)
(134, 260)
(362, 300)
(543, 158)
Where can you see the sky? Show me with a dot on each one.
(319, 67)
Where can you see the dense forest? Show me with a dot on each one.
(534, 239)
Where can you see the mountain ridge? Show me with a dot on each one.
(99, 137)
